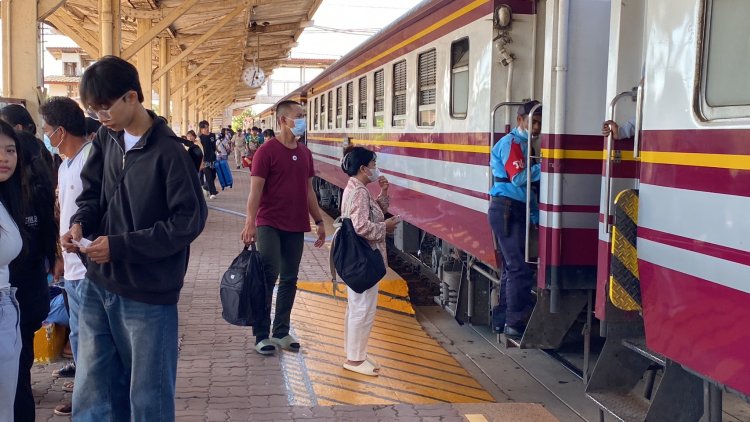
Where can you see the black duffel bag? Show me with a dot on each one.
(356, 262)
(243, 289)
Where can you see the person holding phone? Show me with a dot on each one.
(368, 218)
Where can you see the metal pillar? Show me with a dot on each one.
(145, 65)
(164, 81)
(21, 68)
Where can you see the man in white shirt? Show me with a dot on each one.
(65, 126)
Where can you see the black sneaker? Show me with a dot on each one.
(67, 371)
(515, 332)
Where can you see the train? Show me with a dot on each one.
(641, 241)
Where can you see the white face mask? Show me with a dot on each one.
(374, 174)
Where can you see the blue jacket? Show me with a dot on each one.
(499, 157)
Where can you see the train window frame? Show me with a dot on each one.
(456, 69)
(339, 107)
(322, 112)
(704, 109)
(316, 114)
(378, 117)
(428, 107)
(349, 117)
(399, 120)
(362, 110)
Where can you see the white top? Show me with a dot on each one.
(130, 141)
(69, 187)
(10, 245)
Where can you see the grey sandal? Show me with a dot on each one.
(265, 347)
(287, 343)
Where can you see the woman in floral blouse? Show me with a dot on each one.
(368, 218)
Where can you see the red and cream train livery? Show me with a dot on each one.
(433, 91)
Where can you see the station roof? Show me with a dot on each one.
(216, 38)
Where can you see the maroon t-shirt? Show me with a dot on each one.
(283, 203)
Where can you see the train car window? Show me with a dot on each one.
(460, 78)
(330, 110)
(725, 90)
(399, 94)
(315, 116)
(362, 102)
(339, 106)
(310, 114)
(349, 105)
(379, 103)
(426, 101)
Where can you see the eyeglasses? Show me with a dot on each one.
(50, 135)
(104, 114)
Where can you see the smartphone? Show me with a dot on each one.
(83, 243)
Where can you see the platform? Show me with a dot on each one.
(221, 377)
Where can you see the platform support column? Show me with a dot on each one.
(176, 116)
(185, 111)
(145, 65)
(111, 35)
(21, 68)
(164, 80)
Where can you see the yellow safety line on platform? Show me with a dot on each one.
(393, 294)
(475, 418)
(415, 369)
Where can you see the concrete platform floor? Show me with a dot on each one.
(221, 378)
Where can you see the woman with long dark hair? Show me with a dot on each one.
(12, 209)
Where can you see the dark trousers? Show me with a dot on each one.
(210, 175)
(508, 221)
(281, 252)
(33, 312)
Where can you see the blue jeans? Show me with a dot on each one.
(74, 302)
(127, 358)
(10, 351)
(508, 221)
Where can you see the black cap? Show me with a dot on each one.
(203, 124)
(525, 109)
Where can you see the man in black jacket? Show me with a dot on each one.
(210, 160)
(142, 205)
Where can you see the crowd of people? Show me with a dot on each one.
(108, 205)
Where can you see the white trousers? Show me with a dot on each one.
(358, 321)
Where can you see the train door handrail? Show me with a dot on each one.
(527, 253)
(638, 121)
(632, 94)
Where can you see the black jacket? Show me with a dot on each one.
(209, 147)
(150, 218)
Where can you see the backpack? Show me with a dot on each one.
(243, 292)
(356, 262)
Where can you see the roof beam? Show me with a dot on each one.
(44, 8)
(142, 14)
(281, 27)
(157, 29)
(231, 44)
(216, 28)
(76, 32)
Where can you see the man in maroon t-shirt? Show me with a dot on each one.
(278, 209)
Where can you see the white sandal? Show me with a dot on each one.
(364, 368)
(373, 362)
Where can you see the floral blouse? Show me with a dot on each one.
(367, 214)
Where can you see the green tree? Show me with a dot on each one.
(238, 121)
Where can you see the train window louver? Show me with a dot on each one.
(427, 98)
(330, 109)
(460, 78)
(339, 106)
(399, 94)
(349, 104)
(323, 111)
(379, 102)
(363, 101)
(315, 116)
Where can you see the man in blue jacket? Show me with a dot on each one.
(142, 206)
(507, 216)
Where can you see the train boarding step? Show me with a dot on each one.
(638, 345)
(624, 407)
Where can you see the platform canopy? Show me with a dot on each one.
(201, 45)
